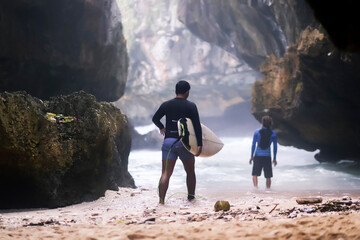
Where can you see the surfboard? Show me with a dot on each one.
(211, 143)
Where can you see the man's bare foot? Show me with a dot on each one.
(191, 197)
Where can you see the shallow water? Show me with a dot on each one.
(229, 171)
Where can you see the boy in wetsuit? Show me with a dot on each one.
(262, 160)
(173, 110)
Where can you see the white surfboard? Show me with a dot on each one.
(211, 143)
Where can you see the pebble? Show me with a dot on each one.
(346, 198)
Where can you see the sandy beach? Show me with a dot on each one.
(135, 214)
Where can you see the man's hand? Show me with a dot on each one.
(162, 131)
(198, 152)
(251, 160)
(275, 162)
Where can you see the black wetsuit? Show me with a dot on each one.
(175, 109)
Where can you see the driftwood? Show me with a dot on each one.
(273, 208)
(309, 200)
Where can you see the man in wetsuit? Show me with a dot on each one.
(262, 160)
(173, 110)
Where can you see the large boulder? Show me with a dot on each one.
(313, 95)
(51, 47)
(46, 163)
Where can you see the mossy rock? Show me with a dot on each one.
(50, 164)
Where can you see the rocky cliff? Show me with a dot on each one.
(250, 29)
(51, 161)
(50, 47)
(309, 86)
(312, 94)
(162, 51)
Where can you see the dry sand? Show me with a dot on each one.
(135, 214)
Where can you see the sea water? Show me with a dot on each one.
(230, 171)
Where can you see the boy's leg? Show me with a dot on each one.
(255, 181)
(256, 171)
(268, 182)
(268, 173)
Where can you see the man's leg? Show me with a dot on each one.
(268, 182)
(189, 166)
(167, 170)
(255, 181)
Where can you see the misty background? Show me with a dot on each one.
(163, 51)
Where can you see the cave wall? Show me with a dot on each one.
(50, 50)
(163, 51)
(50, 47)
(250, 30)
(310, 84)
(340, 22)
(312, 94)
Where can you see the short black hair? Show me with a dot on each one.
(182, 87)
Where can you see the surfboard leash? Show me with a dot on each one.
(184, 193)
(177, 193)
(166, 163)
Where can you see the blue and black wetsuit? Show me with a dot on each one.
(263, 147)
(173, 110)
(261, 152)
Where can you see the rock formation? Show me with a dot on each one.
(309, 86)
(312, 94)
(162, 51)
(44, 163)
(250, 29)
(50, 47)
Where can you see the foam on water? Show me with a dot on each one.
(229, 171)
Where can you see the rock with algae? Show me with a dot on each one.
(49, 164)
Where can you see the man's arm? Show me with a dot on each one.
(197, 126)
(157, 116)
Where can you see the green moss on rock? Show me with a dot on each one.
(49, 164)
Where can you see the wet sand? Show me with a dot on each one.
(135, 214)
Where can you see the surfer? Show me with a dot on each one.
(262, 140)
(173, 110)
